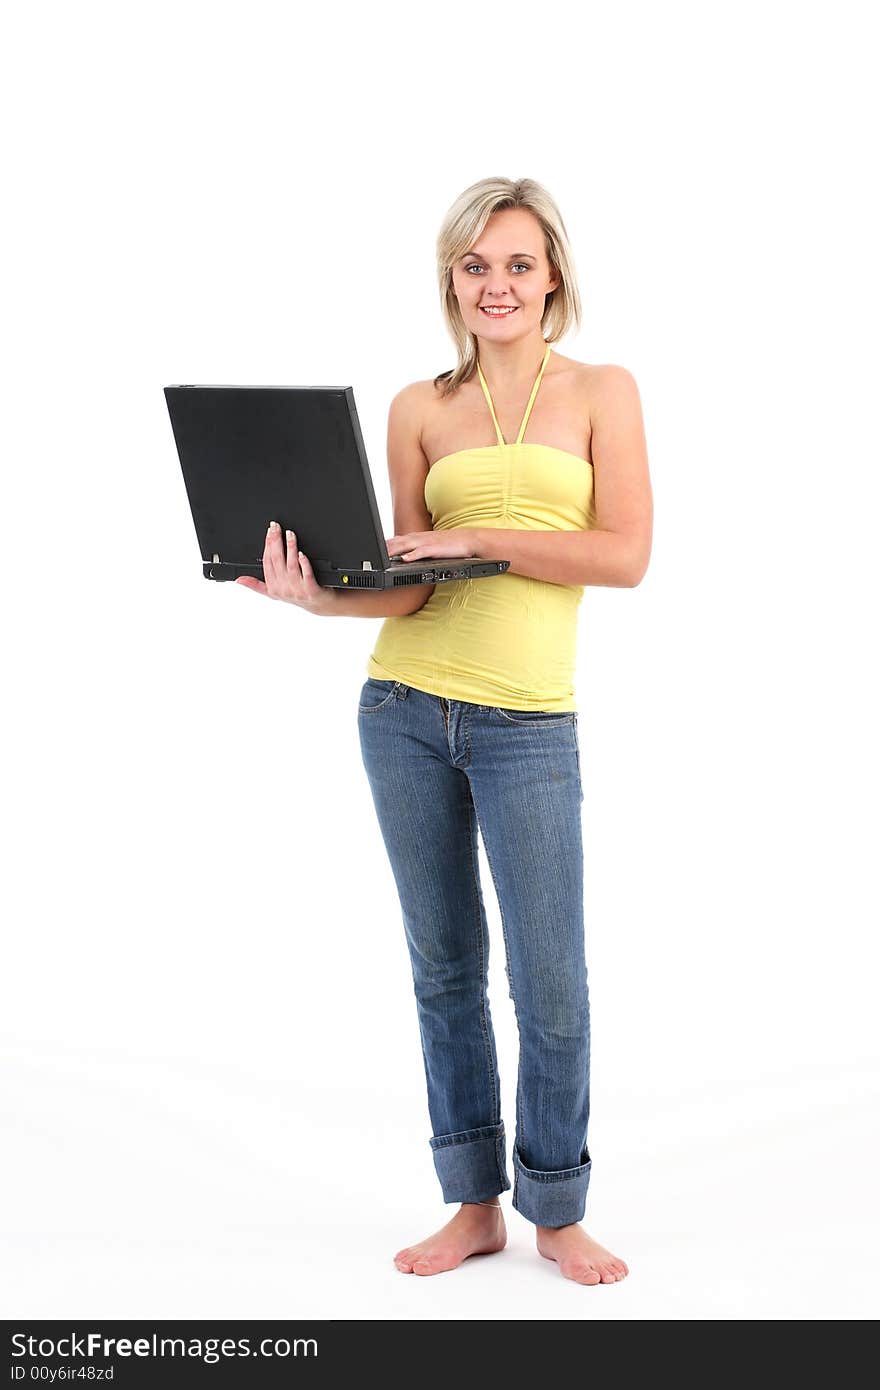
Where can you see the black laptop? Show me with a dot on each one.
(295, 455)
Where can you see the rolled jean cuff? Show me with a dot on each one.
(550, 1198)
(471, 1164)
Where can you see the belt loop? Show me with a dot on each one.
(401, 690)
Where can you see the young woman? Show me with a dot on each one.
(467, 718)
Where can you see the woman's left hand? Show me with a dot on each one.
(441, 545)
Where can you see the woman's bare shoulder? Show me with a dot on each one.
(415, 408)
(590, 374)
(420, 392)
(424, 399)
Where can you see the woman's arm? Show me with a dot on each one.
(380, 603)
(562, 557)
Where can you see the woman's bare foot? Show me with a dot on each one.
(475, 1229)
(579, 1256)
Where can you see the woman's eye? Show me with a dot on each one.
(474, 266)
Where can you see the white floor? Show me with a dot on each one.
(138, 1189)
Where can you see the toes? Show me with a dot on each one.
(590, 1275)
(404, 1260)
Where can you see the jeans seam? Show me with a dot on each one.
(559, 1175)
(520, 1134)
(374, 709)
(577, 756)
(499, 1145)
(468, 1136)
(444, 715)
(478, 918)
(553, 720)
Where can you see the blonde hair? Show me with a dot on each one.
(461, 226)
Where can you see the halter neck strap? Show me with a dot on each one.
(525, 418)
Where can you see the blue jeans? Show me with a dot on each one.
(437, 770)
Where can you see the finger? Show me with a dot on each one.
(294, 573)
(272, 560)
(247, 582)
(312, 586)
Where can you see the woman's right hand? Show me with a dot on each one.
(290, 579)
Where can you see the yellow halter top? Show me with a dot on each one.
(506, 640)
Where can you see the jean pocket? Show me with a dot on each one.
(543, 718)
(376, 694)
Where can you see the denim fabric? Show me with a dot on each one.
(438, 769)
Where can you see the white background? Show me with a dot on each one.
(213, 1096)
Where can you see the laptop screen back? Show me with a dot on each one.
(291, 454)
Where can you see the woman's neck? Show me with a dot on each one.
(507, 365)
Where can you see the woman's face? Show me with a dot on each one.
(507, 268)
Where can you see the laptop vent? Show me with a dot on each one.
(360, 579)
(401, 579)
